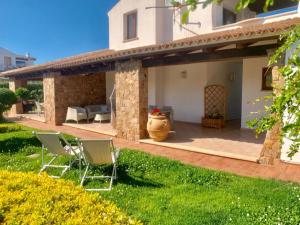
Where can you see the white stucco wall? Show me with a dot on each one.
(182, 87)
(153, 25)
(146, 24)
(200, 21)
(252, 85)
(168, 86)
(220, 73)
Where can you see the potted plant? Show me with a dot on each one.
(158, 125)
(213, 120)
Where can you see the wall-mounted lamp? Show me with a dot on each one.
(183, 74)
(232, 76)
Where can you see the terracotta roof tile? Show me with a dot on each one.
(251, 31)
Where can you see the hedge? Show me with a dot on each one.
(4, 85)
(26, 198)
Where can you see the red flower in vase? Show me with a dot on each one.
(155, 111)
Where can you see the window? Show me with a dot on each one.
(131, 26)
(20, 63)
(7, 62)
(267, 79)
(228, 17)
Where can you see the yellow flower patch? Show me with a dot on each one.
(26, 198)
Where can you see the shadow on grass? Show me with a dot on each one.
(15, 144)
(124, 178)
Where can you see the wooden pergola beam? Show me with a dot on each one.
(209, 57)
(94, 68)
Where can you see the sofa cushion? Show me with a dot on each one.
(93, 108)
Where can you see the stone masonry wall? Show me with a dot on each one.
(131, 100)
(14, 85)
(272, 145)
(49, 97)
(63, 91)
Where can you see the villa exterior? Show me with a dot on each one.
(154, 59)
(10, 60)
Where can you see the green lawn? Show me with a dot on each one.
(159, 191)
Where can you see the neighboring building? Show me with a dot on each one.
(154, 59)
(10, 60)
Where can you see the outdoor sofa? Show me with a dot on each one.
(93, 110)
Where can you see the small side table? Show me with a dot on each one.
(102, 117)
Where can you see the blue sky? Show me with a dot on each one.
(53, 29)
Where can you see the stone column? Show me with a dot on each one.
(272, 145)
(131, 100)
(50, 104)
(14, 85)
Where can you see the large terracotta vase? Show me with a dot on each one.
(158, 127)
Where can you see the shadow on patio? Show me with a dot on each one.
(101, 128)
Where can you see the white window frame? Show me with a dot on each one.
(126, 26)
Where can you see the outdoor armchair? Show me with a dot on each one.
(57, 145)
(76, 114)
(98, 152)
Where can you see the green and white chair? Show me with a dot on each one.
(57, 145)
(99, 152)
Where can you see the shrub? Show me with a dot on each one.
(5, 128)
(36, 91)
(4, 85)
(23, 94)
(26, 198)
(7, 99)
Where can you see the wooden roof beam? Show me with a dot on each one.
(210, 57)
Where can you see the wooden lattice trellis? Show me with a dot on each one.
(215, 106)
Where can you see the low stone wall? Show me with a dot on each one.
(63, 91)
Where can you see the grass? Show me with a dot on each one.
(164, 192)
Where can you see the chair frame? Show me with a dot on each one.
(50, 163)
(39, 108)
(88, 164)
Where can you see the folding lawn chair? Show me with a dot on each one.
(99, 152)
(53, 142)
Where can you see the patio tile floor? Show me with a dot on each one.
(102, 128)
(281, 170)
(230, 141)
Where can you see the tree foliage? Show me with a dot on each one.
(7, 99)
(23, 93)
